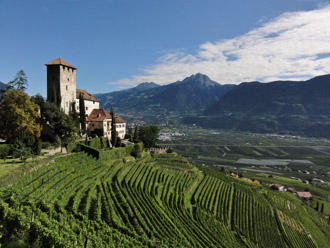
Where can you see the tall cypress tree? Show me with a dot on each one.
(130, 133)
(74, 114)
(113, 128)
(136, 136)
(82, 114)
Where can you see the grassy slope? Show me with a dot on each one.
(157, 202)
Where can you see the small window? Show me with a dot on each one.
(66, 88)
(68, 79)
(93, 125)
(86, 108)
(93, 102)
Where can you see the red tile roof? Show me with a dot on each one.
(293, 190)
(60, 61)
(98, 115)
(304, 194)
(86, 95)
(101, 115)
(118, 119)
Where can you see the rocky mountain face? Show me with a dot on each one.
(194, 93)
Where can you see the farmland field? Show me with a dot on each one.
(160, 201)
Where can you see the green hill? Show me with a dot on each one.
(160, 201)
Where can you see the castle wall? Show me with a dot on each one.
(53, 77)
(67, 87)
(63, 78)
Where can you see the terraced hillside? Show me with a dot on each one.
(160, 201)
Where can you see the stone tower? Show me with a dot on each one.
(61, 83)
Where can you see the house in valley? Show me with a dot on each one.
(304, 195)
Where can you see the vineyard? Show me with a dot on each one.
(159, 201)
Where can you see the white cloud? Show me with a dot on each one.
(295, 45)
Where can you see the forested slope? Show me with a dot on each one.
(160, 201)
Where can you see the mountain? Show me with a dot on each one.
(296, 107)
(194, 93)
(109, 99)
(277, 98)
(2, 87)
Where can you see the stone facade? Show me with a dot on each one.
(61, 77)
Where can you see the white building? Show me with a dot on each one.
(99, 122)
(120, 127)
(90, 101)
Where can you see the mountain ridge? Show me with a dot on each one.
(191, 94)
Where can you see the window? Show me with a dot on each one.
(86, 108)
(66, 88)
(68, 79)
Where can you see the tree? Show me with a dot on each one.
(136, 151)
(18, 113)
(118, 141)
(135, 136)
(21, 150)
(63, 126)
(52, 113)
(19, 83)
(113, 128)
(74, 114)
(4, 151)
(66, 129)
(130, 134)
(38, 99)
(82, 113)
(148, 135)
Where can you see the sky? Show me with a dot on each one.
(117, 44)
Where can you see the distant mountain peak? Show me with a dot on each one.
(146, 85)
(200, 79)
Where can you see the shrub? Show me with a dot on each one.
(95, 143)
(90, 151)
(4, 151)
(137, 151)
(37, 146)
(45, 145)
(72, 147)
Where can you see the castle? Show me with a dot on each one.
(61, 89)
